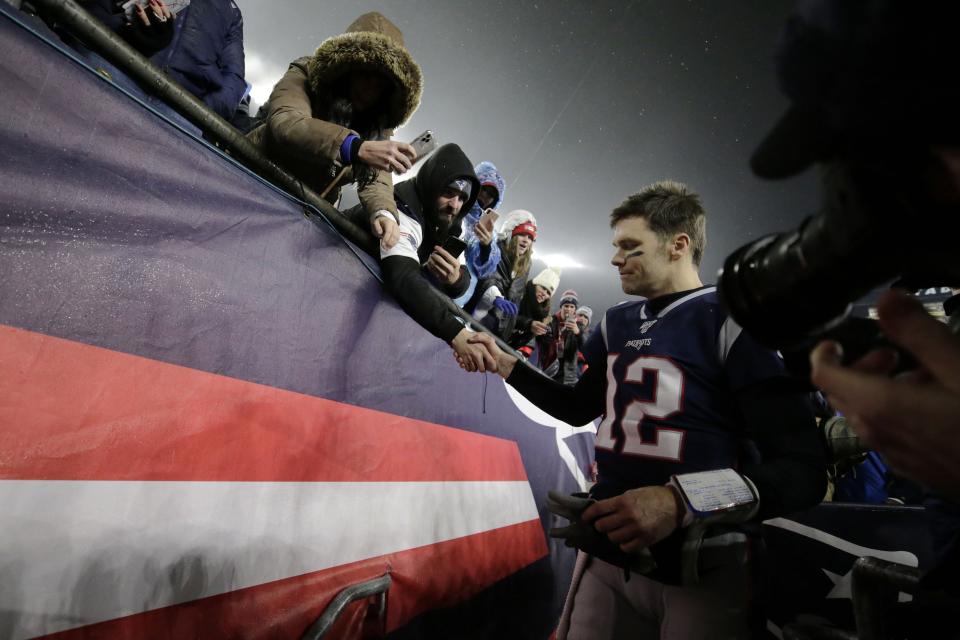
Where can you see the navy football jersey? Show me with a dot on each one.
(670, 384)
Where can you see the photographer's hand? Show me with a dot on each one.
(913, 419)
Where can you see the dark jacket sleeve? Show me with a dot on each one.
(574, 405)
(231, 64)
(459, 287)
(405, 280)
(791, 473)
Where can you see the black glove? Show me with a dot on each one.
(148, 40)
(584, 536)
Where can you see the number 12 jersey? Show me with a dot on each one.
(672, 374)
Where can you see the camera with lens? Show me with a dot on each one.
(873, 108)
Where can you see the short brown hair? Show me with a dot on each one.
(669, 208)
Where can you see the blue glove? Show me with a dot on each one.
(506, 307)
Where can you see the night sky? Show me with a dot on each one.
(580, 103)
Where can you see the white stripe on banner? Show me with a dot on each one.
(79, 552)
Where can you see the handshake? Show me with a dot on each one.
(479, 352)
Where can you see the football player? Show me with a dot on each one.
(700, 439)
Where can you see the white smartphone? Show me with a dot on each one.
(424, 143)
(492, 216)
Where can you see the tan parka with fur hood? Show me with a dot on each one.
(295, 133)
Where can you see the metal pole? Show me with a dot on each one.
(322, 625)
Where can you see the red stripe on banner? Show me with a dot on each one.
(434, 576)
(71, 411)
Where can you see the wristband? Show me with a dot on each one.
(350, 148)
(355, 147)
(722, 495)
(386, 214)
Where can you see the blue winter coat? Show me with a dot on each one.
(487, 174)
(205, 55)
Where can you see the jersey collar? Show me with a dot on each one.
(696, 293)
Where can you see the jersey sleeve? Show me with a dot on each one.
(745, 361)
(411, 235)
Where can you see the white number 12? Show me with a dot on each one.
(622, 433)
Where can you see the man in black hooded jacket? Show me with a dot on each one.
(431, 207)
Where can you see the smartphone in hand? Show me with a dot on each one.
(424, 143)
(454, 246)
(488, 219)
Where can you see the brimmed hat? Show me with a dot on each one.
(865, 79)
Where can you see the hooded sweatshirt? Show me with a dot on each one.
(402, 264)
(301, 131)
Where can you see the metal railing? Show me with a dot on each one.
(105, 42)
(352, 593)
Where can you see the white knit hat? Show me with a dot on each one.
(511, 220)
(549, 279)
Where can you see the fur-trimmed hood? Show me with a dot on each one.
(372, 43)
(488, 175)
(512, 220)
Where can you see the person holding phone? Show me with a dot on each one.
(431, 207)
(330, 118)
(483, 254)
(534, 311)
(558, 347)
(495, 302)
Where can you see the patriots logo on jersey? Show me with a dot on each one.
(668, 406)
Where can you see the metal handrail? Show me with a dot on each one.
(98, 37)
(352, 593)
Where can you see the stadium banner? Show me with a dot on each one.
(212, 416)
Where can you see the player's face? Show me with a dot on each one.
(640, 258)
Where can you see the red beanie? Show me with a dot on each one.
(527, 228)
